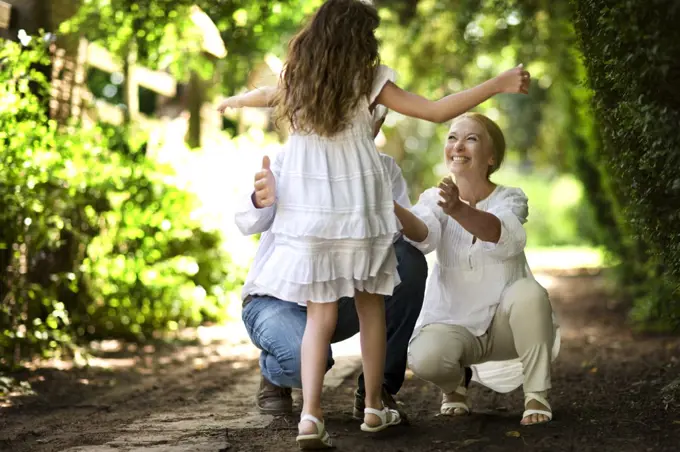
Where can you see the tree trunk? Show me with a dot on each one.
(67, 70)
(195, 101)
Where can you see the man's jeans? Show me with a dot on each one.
(276, 327)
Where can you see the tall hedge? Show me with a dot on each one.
(632, 57)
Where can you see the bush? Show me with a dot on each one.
(631, 51)
(94, 242)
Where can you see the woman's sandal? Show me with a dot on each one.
(319, 440)
(394, 419)
(529, 396)
(456, 408)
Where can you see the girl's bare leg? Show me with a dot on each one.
(371, 312)
(321, 322)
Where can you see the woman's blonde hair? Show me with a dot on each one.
(495, 134)
(330, 67)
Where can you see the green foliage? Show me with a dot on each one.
(95, 241)
(469, 42)
(168, 39)
(630, 51)
(558, 213)
(549, 132)
(35, 213)
(151, 267)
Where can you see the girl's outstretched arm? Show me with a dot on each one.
(259, 97)
(515, 80)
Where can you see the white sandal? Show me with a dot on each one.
(540, 399)
(449, 408)
(394, 419)
(319, 440)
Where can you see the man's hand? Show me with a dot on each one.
(265, 186)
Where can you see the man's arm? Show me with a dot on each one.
(413, 227)
(399, 187)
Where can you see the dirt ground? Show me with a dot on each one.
(607, 396)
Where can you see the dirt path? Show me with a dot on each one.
(607, 396)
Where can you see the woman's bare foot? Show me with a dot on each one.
(536, 410)
(455, 403)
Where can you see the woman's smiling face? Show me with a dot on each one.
(468, 149)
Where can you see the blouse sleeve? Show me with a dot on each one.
(383, 75)
(512, 210)
(427, 210)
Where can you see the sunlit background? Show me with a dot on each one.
(120, 221)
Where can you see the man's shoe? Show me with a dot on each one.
(387, 400)
(468, 376)
(274, 400)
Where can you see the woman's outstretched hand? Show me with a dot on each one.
(450, 197)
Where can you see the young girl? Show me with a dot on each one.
(335, 220)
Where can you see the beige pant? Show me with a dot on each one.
(522, 327)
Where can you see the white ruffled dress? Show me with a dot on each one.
(335, 223)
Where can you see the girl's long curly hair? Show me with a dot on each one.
(331, 65)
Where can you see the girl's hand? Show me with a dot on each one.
(450, 201)
(229, 102)
(515, 80)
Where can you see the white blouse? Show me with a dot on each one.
(469, 279)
